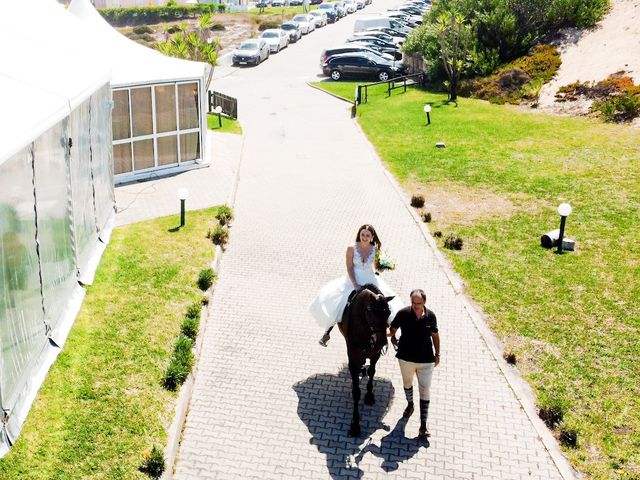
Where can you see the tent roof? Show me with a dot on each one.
(131, 62)
(45, 72)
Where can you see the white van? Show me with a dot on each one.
(377, 22)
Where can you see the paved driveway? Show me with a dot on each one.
(268, 402)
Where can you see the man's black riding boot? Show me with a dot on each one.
(424, 413)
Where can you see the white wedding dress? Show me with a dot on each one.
(328, 306)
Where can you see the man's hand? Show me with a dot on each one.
(394, 342)
(437, 360)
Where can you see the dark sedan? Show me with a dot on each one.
(361, 65)
(331, 10)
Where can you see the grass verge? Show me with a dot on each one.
(229, 125)
(103, 403)
(573, 320)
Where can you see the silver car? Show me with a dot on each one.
(251, 52)
(307, 22)
(321, 18)
(276, 38)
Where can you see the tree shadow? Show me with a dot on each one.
(325, 407)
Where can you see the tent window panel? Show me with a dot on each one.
(189, 146)
(121, 124)
(122, 158)
(167, 150)
(166, 108)
(143, 154)
(141, 111)
(188, 105)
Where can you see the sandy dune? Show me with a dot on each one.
(613, 45)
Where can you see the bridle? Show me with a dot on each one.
(373, 339)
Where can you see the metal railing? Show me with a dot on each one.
(229, 104)
(392, 84)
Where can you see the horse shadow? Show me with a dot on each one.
(325, 406)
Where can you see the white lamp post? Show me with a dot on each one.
(218, 110)
(183, 194)
(564, 209)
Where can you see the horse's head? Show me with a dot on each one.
(377, 312)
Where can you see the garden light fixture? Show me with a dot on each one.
(183, 194)
(564, 209)
(427, 110)
(218, 110)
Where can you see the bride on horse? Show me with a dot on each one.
(329, 305)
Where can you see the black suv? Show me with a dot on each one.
(361, 65)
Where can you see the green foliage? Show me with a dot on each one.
(121, 17)
(268, 24)
(453, 242)
(426, 217)
(140, 29)
(224, 214)
(192, 44)
(180, 365)
(623, 108)
(206, 278)
(220, 235)
(519, 80)
(417, 200)
(153, 464)
(194, 310)
(189, 328)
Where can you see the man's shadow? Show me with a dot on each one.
(394, 448)
(325, 406)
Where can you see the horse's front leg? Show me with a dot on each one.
(354, 369)
(369, 398)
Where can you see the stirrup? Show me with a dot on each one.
(324, 340)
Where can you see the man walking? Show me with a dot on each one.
(418, 352)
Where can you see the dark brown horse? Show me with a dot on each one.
(365, 330)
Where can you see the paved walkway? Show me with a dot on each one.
(268, 402)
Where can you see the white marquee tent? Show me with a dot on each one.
(56, 192)
(159, 115)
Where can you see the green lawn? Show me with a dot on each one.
(572, 320)
(229, 125)
(102, 403)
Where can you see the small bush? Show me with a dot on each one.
(216, 27)
(220, 235)
(189, 328)
(180, 365)
(153, 463)
(141, 29)
(268, 24)
(569, 437)
(437, 234)
(509, 357)
(623, 108)
(224, 215)
(205, 279)
(426, 217)
(194, 310)
(222, 8)
(552, 413)
(453, 242)
(417, 200)
(204, 300)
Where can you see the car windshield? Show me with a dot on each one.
(325, 6)
(288, 26)
(270, 35)
(249, 46)
(300, 18)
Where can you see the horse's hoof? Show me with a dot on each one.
(369, 399)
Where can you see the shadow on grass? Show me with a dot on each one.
(325, 407)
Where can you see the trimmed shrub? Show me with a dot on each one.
(509, 357)
(205, 300)
(122, 17)
(194, 310)
(437, 234)
(220, 235)
(453, 242)
(141, 29)
(224, 215)
(552, 413)
(180, 365)
(189, 328)
(426, 217)
(569, 437)
(417, 201)
(205, 279)
(153, 464)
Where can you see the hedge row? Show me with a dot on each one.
(122, 17)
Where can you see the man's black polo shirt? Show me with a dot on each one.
(415, 340)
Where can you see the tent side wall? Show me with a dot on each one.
(48, 233)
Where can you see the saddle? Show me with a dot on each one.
(352, 296)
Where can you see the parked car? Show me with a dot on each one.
(342, 11)
(276, 38)
(360, 4)
(361, 65)
(378, 22)
(315, 2)
(320, 17)
(351, 48)
(331, 9)
(295, 3)
(277, 3)
(388, 31)
(251, 52)
(383, 46)
(307, 22)
(350, 6)
(263, 3)
(293, 29)
(378, 34)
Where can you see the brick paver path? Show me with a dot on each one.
(268, 402)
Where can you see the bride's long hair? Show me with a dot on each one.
(375, 240)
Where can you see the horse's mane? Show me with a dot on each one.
(371, 287)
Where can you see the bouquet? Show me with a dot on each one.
(383, 262)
